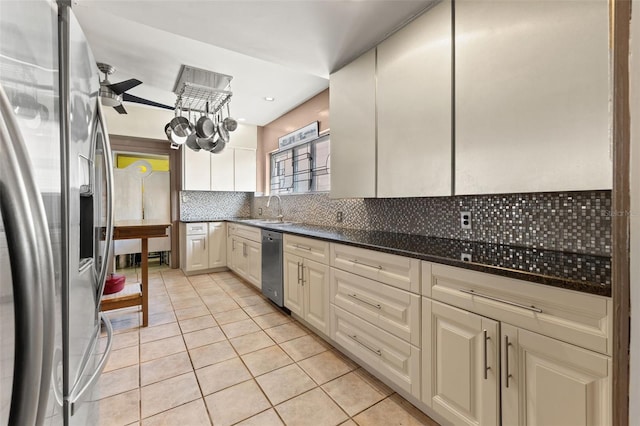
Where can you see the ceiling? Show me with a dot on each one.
(280, 49)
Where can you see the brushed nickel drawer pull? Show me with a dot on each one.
(507, 302)
(356, 261)
(375, 351)
(355, 296)
(302, 247)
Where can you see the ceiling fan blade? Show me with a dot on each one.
(123, 86)
(120, 109)
(130, 98)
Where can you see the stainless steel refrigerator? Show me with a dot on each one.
(56, 229)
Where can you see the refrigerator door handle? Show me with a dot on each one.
(110, 205)
(31, 257)
(91, 381)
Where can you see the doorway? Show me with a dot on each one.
(152, 148)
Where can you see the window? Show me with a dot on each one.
(301, 169)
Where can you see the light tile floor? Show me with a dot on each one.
(217, 352)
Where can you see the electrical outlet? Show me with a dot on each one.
(465, 257)
(465, 220)
(339, 217)
(259, 211)
(185, 199)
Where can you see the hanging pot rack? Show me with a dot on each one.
(195, 88)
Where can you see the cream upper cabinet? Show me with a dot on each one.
(196, 170)
(234, 169)
(460, 365)
(222, 171)
(531, 96)
(244, 170)
(548, 382)
(353, 128)
(414, 108)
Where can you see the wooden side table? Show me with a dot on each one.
(129, 230)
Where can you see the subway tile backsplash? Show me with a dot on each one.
(578, 222)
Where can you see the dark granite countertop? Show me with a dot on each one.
(574, 271)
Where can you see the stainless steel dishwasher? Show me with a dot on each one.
(272, 277)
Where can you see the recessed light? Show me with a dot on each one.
(269, 99)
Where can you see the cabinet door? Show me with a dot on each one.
(196, 170)
(197, 252)
(548, 382)
(531, 96)
(230, 245)
(353, 128)
(414, 108)
(245, 170)
(217, 244)
(222, 171)
(460, 370)
(253, 253)
(293, 291)
(238, 256)
(315, 280)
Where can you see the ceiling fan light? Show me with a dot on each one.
(108, 98)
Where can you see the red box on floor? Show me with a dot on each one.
(114, 283)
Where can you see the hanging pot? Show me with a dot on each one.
(180, 126)
(229, 123)
(205, 127)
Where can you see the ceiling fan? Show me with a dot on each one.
(114, 94)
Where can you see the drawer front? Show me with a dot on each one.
(393, 310)
(393, 358)
(309, 248)
(397, 271)
(199, 228)
(578, 318)
(248, 232)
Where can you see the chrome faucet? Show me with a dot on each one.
(280, 215)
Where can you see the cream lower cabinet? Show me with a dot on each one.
(246, 260)
(549, 382)
(197, 254)
(460, 364)
(306, 290)
(203, 246)
(468, 361)
(391, 357)
(217, 244)
(244, 252)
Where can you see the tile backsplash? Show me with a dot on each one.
(577, 222)
(208, 205)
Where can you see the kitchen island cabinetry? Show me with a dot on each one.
(532, 96)
(204, 247)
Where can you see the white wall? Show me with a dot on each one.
(140, 121)
(634, 391)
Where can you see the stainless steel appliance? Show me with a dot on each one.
(272, 277)
(56, 229)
